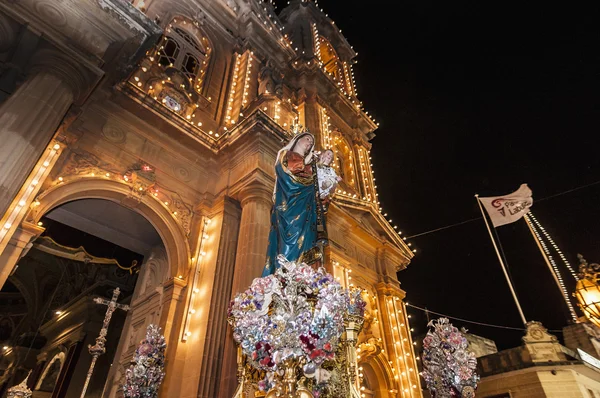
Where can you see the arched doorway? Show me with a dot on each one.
(89, 227)
(377, 377)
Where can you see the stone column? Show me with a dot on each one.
(173, 299)
(217, 328)
(256, 201)
(29, 117)
(17, 247)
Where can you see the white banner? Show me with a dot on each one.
(510, 208)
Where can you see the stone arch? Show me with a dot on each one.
(379, 374)
(172, 234)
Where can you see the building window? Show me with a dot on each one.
(186, 52)
(343, 162)
(330, 59)
(167, 55)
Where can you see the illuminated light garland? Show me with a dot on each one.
(247, 79)
(368, 190)
(317, 44)
(412, 350)
(232, 90)
(201, 254)
(30, 188)
(277, 115)
(353, 82)
(325, 128)
(534, 226)
(347, 79)
(396, 343)
(408, 349)
(555, 246)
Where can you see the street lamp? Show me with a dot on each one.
(587, 290)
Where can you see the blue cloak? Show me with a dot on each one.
(293, 217)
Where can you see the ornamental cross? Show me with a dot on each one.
(98, 349)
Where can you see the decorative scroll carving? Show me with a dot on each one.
(84, 163)
(182, 211)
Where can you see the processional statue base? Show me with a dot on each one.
(297, 333)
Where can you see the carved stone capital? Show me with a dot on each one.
(78, 74)
(255, 191)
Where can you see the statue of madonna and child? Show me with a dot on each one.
(304, 185)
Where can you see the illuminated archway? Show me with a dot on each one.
(171, 233)
(379, 376)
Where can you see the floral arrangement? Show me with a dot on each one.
(449, 369)
(295, 314)
(145, 374)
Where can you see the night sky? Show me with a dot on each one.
(479, 97)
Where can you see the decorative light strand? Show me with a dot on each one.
(26, 195)
(369, 195)
(347, 79)
(559, 278)
(325, 128)
(353, 82)
(247, 79)
(395, 342)
(232, 90)
(317, 44)
(555, 246)
(277, 114)
(412, 344)
(192, 298)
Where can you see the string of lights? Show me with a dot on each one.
(535, 228)
(555, 246)
(472, 322)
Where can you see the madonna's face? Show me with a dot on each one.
(303, 145)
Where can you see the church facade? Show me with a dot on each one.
(173, 111)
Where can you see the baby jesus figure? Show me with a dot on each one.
(326, 176)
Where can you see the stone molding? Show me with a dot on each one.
(389, 289)
(255, 191)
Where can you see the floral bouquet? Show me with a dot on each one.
(295, 314)
(449, 369)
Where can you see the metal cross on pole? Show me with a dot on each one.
(98, 349)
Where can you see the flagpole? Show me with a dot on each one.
(547, 260)
(512, 290)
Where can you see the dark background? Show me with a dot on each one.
(479, 97)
